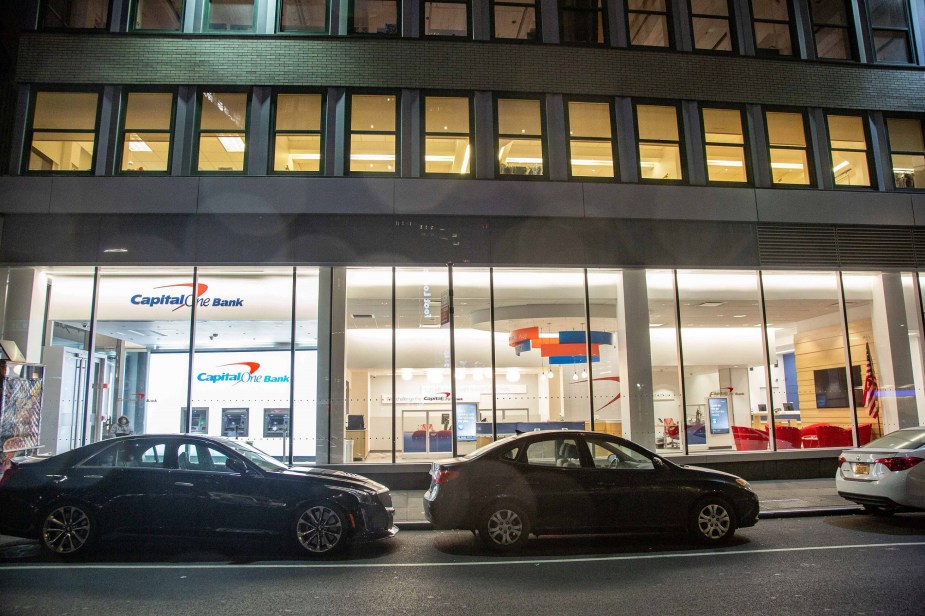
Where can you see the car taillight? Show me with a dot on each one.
(442, 475)
(841, 460)
(899, 464)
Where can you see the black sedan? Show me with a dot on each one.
(186, 485)
(558, 482)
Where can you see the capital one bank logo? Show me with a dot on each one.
(236, 377)
(181, 299)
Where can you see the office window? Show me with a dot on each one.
(304, 16)
(590, 133)
(787, 146)
(890, 30)
(848, 142)
(647, 22)
(63, 132)
(446, 18)
(160, 15)
(230, 15)
(516, 19)
(582, 21)
(297, 130)
(91, 14)
(520, 136)
(659, 142)
(375, 17)
(831, 29)
(711, 25)
(373, 131)
(447, 135)
(222, 131)
(724, 141)
(907, 152)
(771, 20)
(146, 132)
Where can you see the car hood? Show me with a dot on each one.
(342, 478)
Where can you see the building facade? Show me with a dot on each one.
(389, 232)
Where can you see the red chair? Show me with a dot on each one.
(749, 439)
(865, 433)
(833, 436)
(809, 435)
(788, 437)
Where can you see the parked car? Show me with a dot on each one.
(562, 481)
(187, 485)
(885, 475)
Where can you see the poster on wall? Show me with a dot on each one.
(20, 409)
(719, 415)
(466, 417)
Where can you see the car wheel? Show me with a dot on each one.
(320, 529)
(712, 521)
(881, 512)
(68, 529)
(504, 527)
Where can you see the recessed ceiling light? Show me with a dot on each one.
(739, 316)
(655, 324)
(114, 250)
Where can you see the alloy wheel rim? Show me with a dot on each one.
(319, 529)
(714, 521)
(66, 529)
(505, 527)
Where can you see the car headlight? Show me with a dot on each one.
(743, 483)
(364, 497)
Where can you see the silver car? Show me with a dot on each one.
(886, 475)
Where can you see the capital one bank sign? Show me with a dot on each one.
(179, 299)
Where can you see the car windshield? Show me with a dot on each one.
(901, 439)
(261, 459)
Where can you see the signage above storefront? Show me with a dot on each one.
(243, 376)
(186, 299)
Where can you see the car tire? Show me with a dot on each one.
(712, 521)
(320, 529)
(68, 529)
(504, 527)
(880, 512)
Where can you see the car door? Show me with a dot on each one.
(552, 469)
(127, 481)
(628, 488)
(209, 497)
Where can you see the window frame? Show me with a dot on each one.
(537, 16)
(613, 141)
(197, 132)
(279, 22)
(30, 129)
(848, 27)
(133, 13)
(605, 26)
(43, 12)
(351, 26)
(446, 37)
(274, 132)
(810, 155)
(348, 120)
(120, 136)
(791, 29)
(424, 134)
(682, 155)
(886, 122)
(730, 19)
(669, 26)
(910, 36)
(207, 16)
(746, 154)
(865, 125)
(544, 146)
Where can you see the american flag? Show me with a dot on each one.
(871, 389)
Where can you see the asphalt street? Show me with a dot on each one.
(849, 564)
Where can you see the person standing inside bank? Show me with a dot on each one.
(122, 427)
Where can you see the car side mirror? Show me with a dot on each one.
(236, 465)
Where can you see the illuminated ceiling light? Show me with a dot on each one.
(585, 162)
(584, 374)
(647, 164)
(477, 375)
(376, 157)
(655, 324)
(524, 161)
(725, 163)
(574, 376)
(433, 158)
(465, 163)
(305, 156)
(407, 374)
(461, 374)
(549, 374)
(512, 375)
(787, 166)
(487, 372)
(739, 316)
(434, 375)
(137, 144)
(231, 143)
(902, 170)
(840, 166)
(115, 250)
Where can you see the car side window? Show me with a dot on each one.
(510, 454)
(610, 454)
(560, 452)
(200, 457)
(131, 454)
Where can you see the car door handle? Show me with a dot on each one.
(183, 484)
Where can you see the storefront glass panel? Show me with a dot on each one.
(304, 419)
(670, 429)
(608, 364)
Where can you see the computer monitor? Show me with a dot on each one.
(788, 406)
(356, 422)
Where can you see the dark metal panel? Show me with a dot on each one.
(343, 240)
(148, 239)
(25, 195)
(669, 202)
(50, 239)
(538, 241)
(232, 238)
(918, 209)
(123, 195)
(488, 198)
(294, 195)
(876, 247)
(792, 245)
(834, 207)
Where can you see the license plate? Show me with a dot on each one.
(862, 469)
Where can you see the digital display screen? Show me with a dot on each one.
(719, 415)
(466, 417)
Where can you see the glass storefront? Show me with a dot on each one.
(439, 361)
